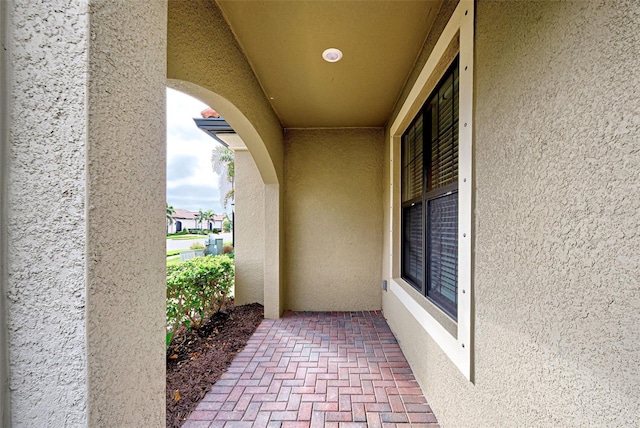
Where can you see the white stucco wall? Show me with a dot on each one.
(46, 159)
(186, 224)
(557, 255)
(249, 246)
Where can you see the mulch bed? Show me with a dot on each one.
(197, 359)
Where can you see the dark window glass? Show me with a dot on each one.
(412, 262)
(430, 196)
(412, 168)
(442, 241)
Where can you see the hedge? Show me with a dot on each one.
(196, 289)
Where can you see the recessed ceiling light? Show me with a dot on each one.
(332, 55)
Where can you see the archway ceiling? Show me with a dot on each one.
(284, 41)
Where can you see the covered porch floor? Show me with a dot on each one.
(317, 369)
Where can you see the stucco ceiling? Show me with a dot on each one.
(284, 41)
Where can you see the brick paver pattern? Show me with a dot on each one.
(317, 369)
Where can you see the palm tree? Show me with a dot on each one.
(222, 162)
(170, 212)
(200, 217)
(208, 216)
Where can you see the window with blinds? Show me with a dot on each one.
(430, 196)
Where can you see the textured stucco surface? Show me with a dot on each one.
(126, 174)
(4, 348)
(274, 285)
(557, 255)
(249, 230)
(45, 218)
(203, 51)
(333, 213)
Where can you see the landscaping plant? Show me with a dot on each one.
(197, 246)
(196, 289)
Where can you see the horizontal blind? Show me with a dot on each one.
(443, 169)
(412, 259)
(430, 209)
(442, 241)
(412, 163)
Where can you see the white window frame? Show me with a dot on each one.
(457, 347)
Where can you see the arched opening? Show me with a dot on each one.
(205, 61)
(256, 278)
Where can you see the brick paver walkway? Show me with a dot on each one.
(317, 369)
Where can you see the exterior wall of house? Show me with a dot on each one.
(249, 230)
(333, 213)
(126, 173)
(4, 348)
(192, 224)
(45, 167)
(187, 223)
(86, 308)
(557, 255)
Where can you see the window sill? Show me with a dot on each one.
(417, 305)
(438, 314)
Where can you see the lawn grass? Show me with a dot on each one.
(176, 252)
(186, 237)
(173, 260)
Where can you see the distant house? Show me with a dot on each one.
(185, 219)
(216, 223)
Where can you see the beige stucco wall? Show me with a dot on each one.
(126, 172)
(4, 138)
(205, 61)
(86, 307)
(557, 256)
(333, 213)
(249, 230)
(45, 177)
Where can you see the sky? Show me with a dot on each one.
(191, 183)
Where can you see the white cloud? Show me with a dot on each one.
(191, 182)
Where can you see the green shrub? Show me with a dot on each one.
(199, 231)
(173, 260)
(196, 289)
(197, 246)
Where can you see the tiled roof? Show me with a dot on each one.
(184, 214)
(209, 112)
(188, 215)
